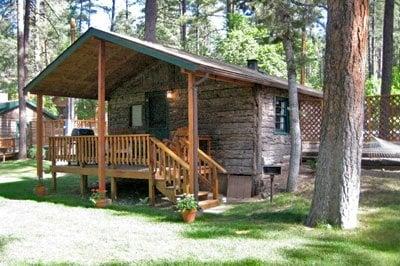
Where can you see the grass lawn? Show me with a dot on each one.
(63, 228)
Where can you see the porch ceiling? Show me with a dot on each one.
(76, 76)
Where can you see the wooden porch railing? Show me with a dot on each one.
(124, 150)
(120, 150)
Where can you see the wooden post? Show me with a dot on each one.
(114, 188)
(101, 118)
(193, 136)
(39, 136)
(84, 184)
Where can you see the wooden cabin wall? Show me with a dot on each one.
(226, 113)
(8, 121)
(274, 147)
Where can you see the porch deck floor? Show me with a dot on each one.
(122, 171)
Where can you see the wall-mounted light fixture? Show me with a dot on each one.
(170, 94)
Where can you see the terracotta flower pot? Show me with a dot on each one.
(40, 190)
(189, 216)
(101, 203)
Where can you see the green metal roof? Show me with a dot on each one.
(11, 105)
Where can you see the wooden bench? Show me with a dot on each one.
(7, 147)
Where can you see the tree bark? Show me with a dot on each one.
(337, 182)
(387, 66)
(371, 40)
(112, 27)
(303, 56)
(183, 26)
(22, 43)
(150, 21)
(295, 135)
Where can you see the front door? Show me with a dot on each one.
(157, 114)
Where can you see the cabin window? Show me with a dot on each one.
(136, 119)
(281, 115)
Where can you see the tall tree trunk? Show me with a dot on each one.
(150, 21)
(90, 14)
(337, 182)
(295, 135)
(230, 9)
(371, 39)
(70, 108)
(126, 10)
(197, 28)
(112, 27)
(183, 26)
(22, 43)
(303, 56)
(387, 66)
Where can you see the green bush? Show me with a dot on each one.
(32, 152)
(187, 202)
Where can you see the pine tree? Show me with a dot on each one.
(337, 182)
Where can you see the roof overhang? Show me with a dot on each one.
(74, 72)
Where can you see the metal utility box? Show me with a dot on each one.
(272, 170)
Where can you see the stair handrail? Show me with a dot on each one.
(204, 156)
(170, 152)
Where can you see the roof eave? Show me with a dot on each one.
(93, 32)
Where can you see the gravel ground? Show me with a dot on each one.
(52, 233)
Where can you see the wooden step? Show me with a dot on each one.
(206, 204)
(203, 195)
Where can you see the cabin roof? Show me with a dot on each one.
(11, 105)
(74, 72)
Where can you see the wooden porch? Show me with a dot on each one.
(137, 157)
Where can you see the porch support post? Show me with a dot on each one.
(101, 119)
(193, 136)
(39, 136)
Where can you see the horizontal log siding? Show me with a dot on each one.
(275, 146)
(226, 113)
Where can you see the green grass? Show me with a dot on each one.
(375, 242)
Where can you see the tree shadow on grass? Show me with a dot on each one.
(68, 194)
(258, 220)
(376, 242)
(244, 262)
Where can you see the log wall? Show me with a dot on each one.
(226, 113)
(240, 120)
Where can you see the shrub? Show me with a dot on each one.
(187, 202)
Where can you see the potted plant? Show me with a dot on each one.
(98, 199)
(40, 189)
(188, 205)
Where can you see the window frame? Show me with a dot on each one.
(286, 122)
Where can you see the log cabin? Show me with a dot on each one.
(181, 121)
(9, 126)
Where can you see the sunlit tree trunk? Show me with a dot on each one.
(183, 26)
(22, 43)
(295, 136)
(337, 182)
(112, 27)
(150, 20)
(387, 66)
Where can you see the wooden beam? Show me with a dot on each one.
(193, 136)
(101, 117)
(39, 136)
(93, 170)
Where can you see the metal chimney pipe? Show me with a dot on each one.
(252, 64)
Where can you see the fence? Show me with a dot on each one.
(381, 118)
